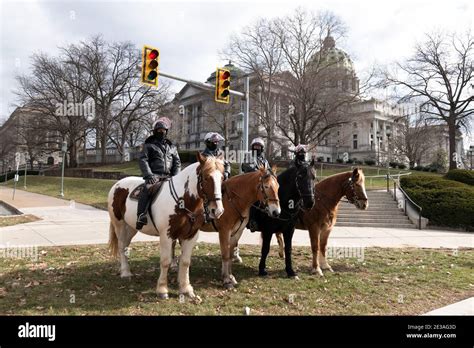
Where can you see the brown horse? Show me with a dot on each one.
(261, 185)
(320, 220)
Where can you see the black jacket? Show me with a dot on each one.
(217, 153)
(159, 158)
(256, 162)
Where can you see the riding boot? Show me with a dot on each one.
(252, 224)
(142, 208)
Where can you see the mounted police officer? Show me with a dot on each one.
(258, 159)
(300, 155)
(159, 160)
(212, 140)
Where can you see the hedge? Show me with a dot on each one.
(445, 202)
(461, 175)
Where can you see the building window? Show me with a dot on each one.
(345, 85)
(354, 141)
(354, 124)
(233, 128)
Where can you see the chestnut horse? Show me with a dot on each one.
(262, 186)
(177, 213)
(320, 220)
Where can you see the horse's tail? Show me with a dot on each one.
(113, 241)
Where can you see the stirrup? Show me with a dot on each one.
(141, 221)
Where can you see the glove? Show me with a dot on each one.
(151, 180)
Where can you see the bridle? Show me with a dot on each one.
(206, 200)
(302, 195)
(266, 198)
(349, 185)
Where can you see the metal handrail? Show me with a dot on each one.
(396, 185)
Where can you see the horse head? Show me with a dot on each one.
(211, 176)
(268, 191)
(354, 190)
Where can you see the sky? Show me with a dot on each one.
(190, 33)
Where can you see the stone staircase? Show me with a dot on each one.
(383, 211)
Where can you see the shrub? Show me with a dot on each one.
(370, 162)
(359, 162)
(402, 166)
(426, 169)
(187, 156)
(393, 164)
(444, 202)
(339, 160)
(350, 160)
(461, 175)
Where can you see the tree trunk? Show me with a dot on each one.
(452, 142)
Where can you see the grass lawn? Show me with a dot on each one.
(88, 191)
(129, 168)
(15, 220)
(84, 280)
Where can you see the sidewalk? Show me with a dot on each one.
(66, 223)
(465, 307)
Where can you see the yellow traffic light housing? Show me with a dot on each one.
(222, 86)
(150, 66)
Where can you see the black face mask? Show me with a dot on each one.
(212, 146)
(258, 151)
(160, 136)
(301, 156)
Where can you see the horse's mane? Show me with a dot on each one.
(212, 163)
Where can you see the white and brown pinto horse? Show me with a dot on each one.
(320, 220)
(239, 193)
(176, 214)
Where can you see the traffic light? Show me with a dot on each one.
(222, 85)
(150, 65)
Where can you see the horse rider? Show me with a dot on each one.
(258, 159)
(257, 147)
(300, 155)
(158, 160)
(212, 140)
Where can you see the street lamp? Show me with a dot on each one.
(26, 167)
(388, 133)
(471, 150)
(63, 150)
(378, 148)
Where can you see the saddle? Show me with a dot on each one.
(154, 190)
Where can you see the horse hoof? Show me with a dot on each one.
(126, 275)
(233, 280)
(163, 296)
(229, 286)
(262, 273)
(237, 259)
(295, 277)
(317, 271)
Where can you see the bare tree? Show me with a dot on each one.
(441, 73)
(131, 111)
(414, 136)
(315, 86)
(257, 50)
(47, 93)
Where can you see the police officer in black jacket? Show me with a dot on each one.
(212, 140)
(159, 159)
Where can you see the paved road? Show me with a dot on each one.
(66, 223)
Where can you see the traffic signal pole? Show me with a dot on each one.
(245, 96)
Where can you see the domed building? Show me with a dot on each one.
(336, 65)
